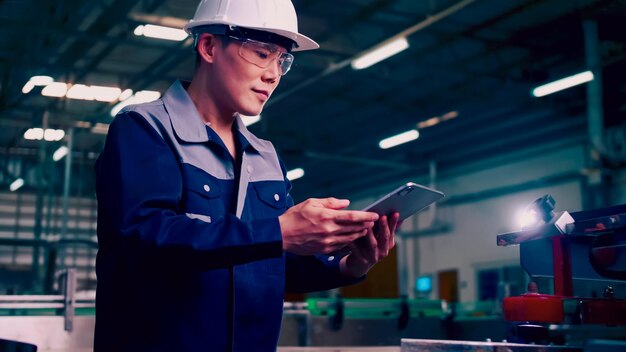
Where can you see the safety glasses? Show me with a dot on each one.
(264, 54)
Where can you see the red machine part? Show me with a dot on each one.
(533, 307)
(606, 311)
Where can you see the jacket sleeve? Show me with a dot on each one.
(139, 188)
(315, 272)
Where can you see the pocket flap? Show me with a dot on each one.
(200, 182)
(272, 193)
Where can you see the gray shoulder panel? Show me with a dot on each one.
(196, 154)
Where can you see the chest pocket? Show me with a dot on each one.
(272, 199)
(201, 195)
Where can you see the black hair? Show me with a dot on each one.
(224, 40)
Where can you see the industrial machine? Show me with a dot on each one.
(581, 247)
(582, 251)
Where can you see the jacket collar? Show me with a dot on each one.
(256, 143)
(187, 122)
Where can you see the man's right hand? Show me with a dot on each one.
(318, 226)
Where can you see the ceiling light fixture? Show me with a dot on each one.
(55, 89)
(380, 53)
(295, 174)
(127, 93)
(398, 139)
(80, 91)
(105, 94)
(35, 81)
(435, 120)
(50, 134)
(98, 93)
(562, 84)
(17, 184)
(143, 96)
(75, 91)
(160, 32)
(60, 153)
(41, 80)
(28, 87)
(34, 134)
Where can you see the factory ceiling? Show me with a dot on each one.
(471, 65)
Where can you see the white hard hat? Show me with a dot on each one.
(274, 16)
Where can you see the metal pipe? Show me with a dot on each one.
(66, 181)
(598, 194)
(39, 203)
(402, 265)
(595, 111)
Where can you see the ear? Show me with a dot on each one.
(206, 47)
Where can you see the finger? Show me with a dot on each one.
(347, 240)
(334, 203)
(400, 222)
(348, 237)
(383, 238)
(360, 246)
(373, 241)
(364, 248)
(396, 222)
(372, 246)
(355, 216)
(343, 230)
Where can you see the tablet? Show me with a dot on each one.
(407, 200)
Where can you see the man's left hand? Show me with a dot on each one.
(371, 248)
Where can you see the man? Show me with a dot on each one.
(199, 238)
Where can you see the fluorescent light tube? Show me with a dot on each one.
(34, 134)
(147, 95)
(80, 91)
(127, 93)
(449, 115)
(60, 153)
(142, 96)
(41, 80)
(52, 135)
(435, 120)
(562, 84)
(160, 32)
(28, 87)
(17, 184)
(429, 123)
(295, 174)
(106, 94)
(99, 93)
(380, 54)
(55, 89)
(399, 139)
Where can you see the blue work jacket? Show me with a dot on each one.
(190, 255)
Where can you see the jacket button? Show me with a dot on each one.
(207, 188)
(276, 197)
(331, 258)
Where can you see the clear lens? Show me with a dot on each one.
(264, 54)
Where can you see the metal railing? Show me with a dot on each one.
(66, 303)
